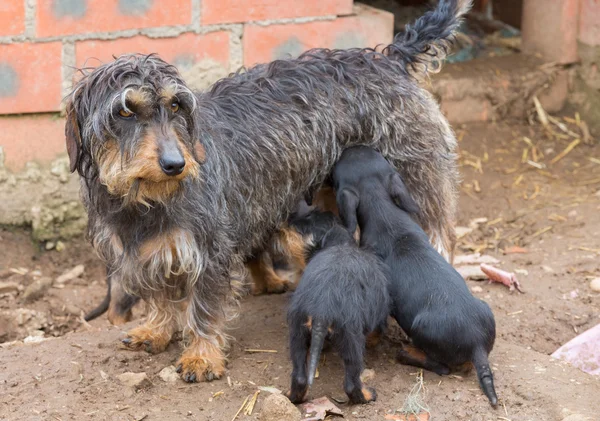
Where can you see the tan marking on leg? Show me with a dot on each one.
(308, 323)
(373, 339)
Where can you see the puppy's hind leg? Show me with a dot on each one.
(410, 355)
(299, 344)
(121, 303)
(351, 349)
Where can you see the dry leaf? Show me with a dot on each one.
(321, 408)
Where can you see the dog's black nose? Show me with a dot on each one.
(172, 163)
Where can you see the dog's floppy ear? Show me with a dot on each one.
(347, 202)
(73, 137)
(400, 195)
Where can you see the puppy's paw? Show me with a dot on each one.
(147, 339)
(362, 396)
(298, 391)
(201, 363)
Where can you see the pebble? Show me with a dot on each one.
(472, 272)
(169, 374)
(476, 289)
(50, 245)
(367, 375)
(37, 289)
(35, 337)
(547, 269)
(595, 284)
(69, 275)
(60, 246)
(576, 417)
(135, 380)
(277, 407)
(9, 287)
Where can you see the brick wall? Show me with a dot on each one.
(43, 41)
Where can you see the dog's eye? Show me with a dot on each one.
(175, 107)
(125, 113)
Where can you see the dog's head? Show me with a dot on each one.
(361, 167)
(131, 125)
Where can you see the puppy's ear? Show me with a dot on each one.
(347, 202)
(400, 195)
(73, 137)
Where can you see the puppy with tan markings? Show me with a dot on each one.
(343, 295)
(430, 300)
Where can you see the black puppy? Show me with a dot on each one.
(430, 300)
(343, 295)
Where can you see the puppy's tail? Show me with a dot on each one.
(484, 374)
(422, 46)
(101, 309)
(319, 331)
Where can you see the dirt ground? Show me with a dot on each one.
(550, 212)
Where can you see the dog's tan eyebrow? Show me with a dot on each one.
(168, 92)
(138, 97)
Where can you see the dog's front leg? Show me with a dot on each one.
(155, 335)
(203, 358)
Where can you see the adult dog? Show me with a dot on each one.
(180, 186)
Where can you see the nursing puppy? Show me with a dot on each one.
(343, 294)
(430, 300)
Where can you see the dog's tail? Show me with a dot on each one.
(101, 309)
(484, 374)
(318, 333)
(422, 46)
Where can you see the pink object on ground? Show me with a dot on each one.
(583, 351)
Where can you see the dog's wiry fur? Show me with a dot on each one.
(253, 146)
(343, 294)
(430, 300)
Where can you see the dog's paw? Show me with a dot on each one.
(278, 286)
(271, 286)
(197, 366)
(144, 338)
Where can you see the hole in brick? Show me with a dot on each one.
(69, 8)
(291, 47)
(9, 81)
(134, 7)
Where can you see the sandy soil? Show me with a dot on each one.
(73, 375)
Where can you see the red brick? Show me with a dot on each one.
(31, 138)
(108, 15)
(185, 49)
(30, 77)
(589, 22)
(12, 17)
(549, 27)
(230, 11)
(368, 28)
